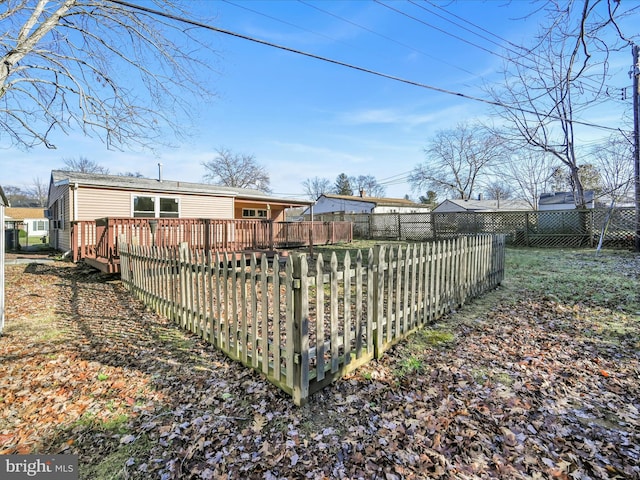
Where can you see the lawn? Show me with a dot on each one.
(536, 379)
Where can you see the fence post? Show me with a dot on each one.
(299, 284)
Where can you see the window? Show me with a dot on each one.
(253, 213)
(156, 207)
(39, 225)
(169, 208)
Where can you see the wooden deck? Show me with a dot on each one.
(96, 242)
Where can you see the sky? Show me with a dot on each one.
(302, 118)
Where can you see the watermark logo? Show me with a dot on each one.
(45, 467)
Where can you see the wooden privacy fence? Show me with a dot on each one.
(307, 323)
(556, 228)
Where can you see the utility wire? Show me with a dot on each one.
(348, 65)
(386, 37)
(527, 53)
(441, 30)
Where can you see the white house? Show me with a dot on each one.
(335, 204)
(31, 220)
(3, 203)
(564, 201)
(502, 205)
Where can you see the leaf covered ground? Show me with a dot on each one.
(537, 379)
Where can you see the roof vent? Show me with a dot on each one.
(160, 172)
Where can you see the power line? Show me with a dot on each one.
(386, 37)
(348, 65)
(441, 30)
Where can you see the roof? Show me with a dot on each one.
(61, 177)
(564, 198)
(488, 205)
(378, 201)
(20, 213)
(3, 198)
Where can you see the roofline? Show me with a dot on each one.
(197, 188)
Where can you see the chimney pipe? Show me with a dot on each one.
(160, 172)
(362, 192)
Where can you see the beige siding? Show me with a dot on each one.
(98, 203)
(192, 206)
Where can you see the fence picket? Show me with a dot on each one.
(275, 315)
(264, 311)
(320, 318)
(367, 308)
(348, 324)
(333, 312)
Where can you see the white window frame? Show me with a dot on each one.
(156, 204)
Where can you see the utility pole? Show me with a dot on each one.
(635, 71)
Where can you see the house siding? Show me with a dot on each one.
(98, 203)
(192, 206)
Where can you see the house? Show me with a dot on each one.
(77, 196)
(4, 203)
(502, 205)
(31, 220)
(564, 200)
(339, 204)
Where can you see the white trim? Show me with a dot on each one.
(156, 203)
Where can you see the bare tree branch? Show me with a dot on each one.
(114, 73)
(236, 170)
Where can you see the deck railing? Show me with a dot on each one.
(98, 239)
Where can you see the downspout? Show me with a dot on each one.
(73, 217)
(75, 202)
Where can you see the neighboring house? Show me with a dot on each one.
(563, 201)
(77, 196)
(31, 220)
(506, 205)
(4, 203)
(335, 204)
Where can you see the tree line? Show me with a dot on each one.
(60, 64)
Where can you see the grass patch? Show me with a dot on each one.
(120, 462)
(574, 276)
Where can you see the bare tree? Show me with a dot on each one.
(615, 164)
(316, 186)
(530, 173)
(83, 165)
(368, 185)
(236, 170)
(497, 190)
(19, 197)
(39, 191)
(112, 71)
(457, 159)
(563, 73)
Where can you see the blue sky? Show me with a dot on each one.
(303, 118)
